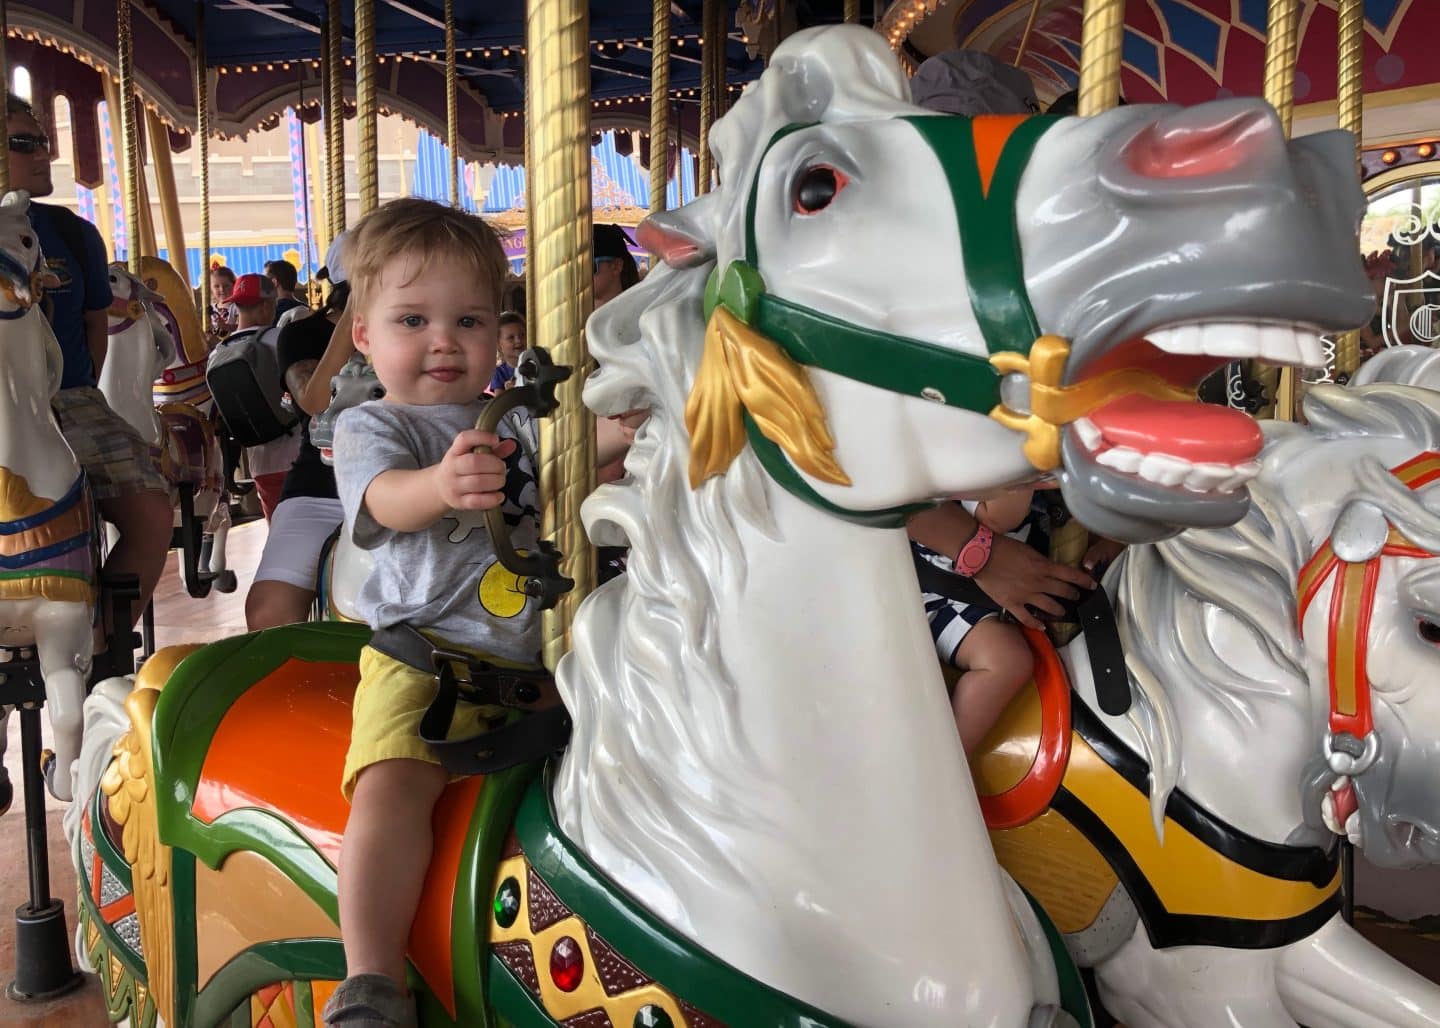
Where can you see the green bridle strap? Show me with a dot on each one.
(990, 250)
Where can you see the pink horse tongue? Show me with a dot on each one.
(1201, 433)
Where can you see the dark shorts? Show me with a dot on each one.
(115, 458)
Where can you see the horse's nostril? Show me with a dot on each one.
(1189, 146)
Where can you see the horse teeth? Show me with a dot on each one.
(1312, 349)
(1089, 433)
(1276, 344)
(1164, 469)
(1121, 458)
(1203, 478)
(1353, 831)
(1179, 339)
(1327, 813)
(1229, 339)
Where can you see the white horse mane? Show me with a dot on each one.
(1167, 595)
(645, 682)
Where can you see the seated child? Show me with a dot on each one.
(980, 640)
(426, 283)
(512, 345)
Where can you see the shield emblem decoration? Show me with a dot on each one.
(1410, 311)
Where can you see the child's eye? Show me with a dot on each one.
(468, 322)
(412, 321)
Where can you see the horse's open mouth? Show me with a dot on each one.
(1175, 461)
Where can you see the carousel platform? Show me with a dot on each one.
(179, 619)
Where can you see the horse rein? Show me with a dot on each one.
(1351, 745)
(129, 310)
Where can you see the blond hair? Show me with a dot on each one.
(425, 231)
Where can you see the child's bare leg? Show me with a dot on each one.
(997, 663)
(383, 859)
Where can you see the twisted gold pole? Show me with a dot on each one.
(129, 130)
(335, 116)
(1281, 33)
(659, 103)
(1030, 27)
(707, 94)
(4, 77)
(452, 103)
(722, 35)
(202, 145)
(1102, 33)
(559, 192)
(365, 106)
(1350, 96)
(529, 149)
(852, 12)
(163, 160)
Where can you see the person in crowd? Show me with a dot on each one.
(222, 282)
(123, 478)
(512, 345)
(309, 508)
(254, 299)
(286, 280)
(615, 268)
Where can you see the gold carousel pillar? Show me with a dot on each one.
(123, 100)
(852, 12)
(202, 145)
(162, 158)
(659, 103)
(366, 115)
(335, 116)
(558, 44)
(1029, 28)
(452, 104)
(1282, 30)
(1350, 92)
(1102, 33)
(4, 77)
(708, 92)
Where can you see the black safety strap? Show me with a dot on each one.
(533, 733)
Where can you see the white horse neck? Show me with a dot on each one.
(859, 877)
(31, 445)
(127, 378)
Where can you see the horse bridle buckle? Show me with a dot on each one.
(1348, 756)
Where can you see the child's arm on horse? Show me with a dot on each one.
(1005, 512)
(410, 501)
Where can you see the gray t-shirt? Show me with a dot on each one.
(444, 579)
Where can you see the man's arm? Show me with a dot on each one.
(97, 337)
(314, 395)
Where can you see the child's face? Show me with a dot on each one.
(512, 343)
(431, 340)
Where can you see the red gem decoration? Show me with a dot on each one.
(567, 964)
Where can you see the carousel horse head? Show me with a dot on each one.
(135, 304)
(353, 385)
(1312, 626)
(1033, 295)
(175, 304)
(23, 274)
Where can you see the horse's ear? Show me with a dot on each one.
(676, 237)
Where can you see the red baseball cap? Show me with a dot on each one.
(250, 290)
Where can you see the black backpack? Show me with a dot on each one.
(244, 378)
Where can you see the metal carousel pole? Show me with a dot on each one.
(202, 142)
(335, 116)
(4, 77)
(1102, 33)
(558, 45)
(708, 92)
(1281, 39)
(452, 104)
(659, 103)
(129, 133)
(1350, 100)
(366, 114)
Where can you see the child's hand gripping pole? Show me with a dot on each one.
(541, 568)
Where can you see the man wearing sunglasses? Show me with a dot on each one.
(123, 478)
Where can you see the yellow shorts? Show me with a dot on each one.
(385, 720)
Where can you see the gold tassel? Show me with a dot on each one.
(742, 371)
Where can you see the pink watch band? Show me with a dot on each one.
(975, 554)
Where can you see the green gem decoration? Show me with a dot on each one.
(651, 1016)
(738, 290)
(507, 902)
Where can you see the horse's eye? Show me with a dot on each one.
(817, 188)
(26, 242)
(1429, 631)
(377, 392)
(334, 392)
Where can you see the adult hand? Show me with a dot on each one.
(1017, 577)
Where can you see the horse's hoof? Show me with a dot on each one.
(47, 770)
(226, 582)
(7, 791)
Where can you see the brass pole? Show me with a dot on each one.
(1350, 95)
(1102, 33)
(335, 116)
(659, 103)
(129, 131)
(722, 35)
(707, 95)
(4, 77)
(529, 148)
(852, 12)
(452, 103)
(202, 143)
(163, 160)
(558, 43)
(1025, 36)
(319, 207)
(366, 116)
(1282, 28)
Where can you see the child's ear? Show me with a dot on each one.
(360, 334)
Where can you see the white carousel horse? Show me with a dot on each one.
(1250, 663)
(47, 547)
(148, 380)
(763, 756)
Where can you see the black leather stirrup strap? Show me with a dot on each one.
(536, 733)
(1093, 611)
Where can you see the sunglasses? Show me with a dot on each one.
(604, 260)
(27, 143)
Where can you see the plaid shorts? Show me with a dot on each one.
(116, 460)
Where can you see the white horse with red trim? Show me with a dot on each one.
(47, 546)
